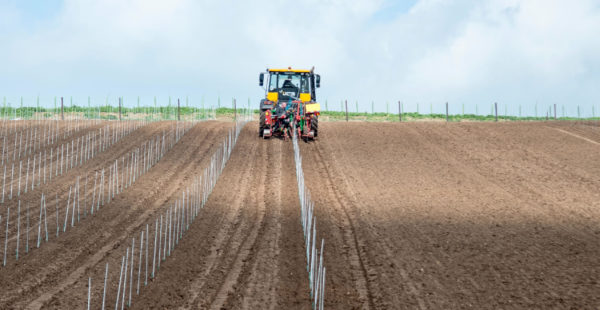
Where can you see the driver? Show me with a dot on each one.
(288, 84)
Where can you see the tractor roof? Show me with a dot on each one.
(289, 70)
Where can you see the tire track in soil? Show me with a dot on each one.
(379, 285)
(233, 236)
(351, 240)
(65, 260)
(264, 274)
(243, 245)
(380, 245)
(233, 257)
(254, 277)
(576, 136)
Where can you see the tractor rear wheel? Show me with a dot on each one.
(314, 125)
(261, 124)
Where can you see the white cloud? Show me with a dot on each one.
(509, 51)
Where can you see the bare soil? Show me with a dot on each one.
(446, 216)
(414, 215)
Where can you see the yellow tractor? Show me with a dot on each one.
(289, 103)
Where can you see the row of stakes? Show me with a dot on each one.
(77, 152)
(314, 257)
(169, 228)
(38, 134)
(33, 136)
(118, 178)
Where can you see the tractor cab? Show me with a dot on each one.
(289, 84)
(295, 87)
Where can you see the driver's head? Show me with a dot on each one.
(284, 104)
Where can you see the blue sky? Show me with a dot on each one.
(422, 52)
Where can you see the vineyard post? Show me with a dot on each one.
(57, 227)
(62, 109)
(146, 269)
(399, 111)
(131, 270)
(119, 108)
(140, 262)
(104, 290)
(120, 280)
(3, 184)
(178, 110)
(125, 278)
(89, 292)
(18, 230)
(6, 236)
(496, 111)
(446, 111)
(27, 233)
(234, 110)
(346, 102)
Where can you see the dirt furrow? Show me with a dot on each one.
(241, 251)
(472, 215)
(56, 269)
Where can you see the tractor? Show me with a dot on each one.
(289, 103)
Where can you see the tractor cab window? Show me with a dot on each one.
(289, 84)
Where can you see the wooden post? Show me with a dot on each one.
(496, 110)
(234, 110)
(446, 112)
(119, 108)
(62, 109)
(178, 110)
(346, 102)
(399, 111)
(555, 111)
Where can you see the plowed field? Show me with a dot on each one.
(414, 215)
(445, 216)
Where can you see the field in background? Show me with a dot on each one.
(227, 112)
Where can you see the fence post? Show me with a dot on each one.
(346, 102)
(446, 111)
(119, 108)
(399, 111)
(234, 110)
(62, 109)
(178, 110)
(555, 111)
(496, 110)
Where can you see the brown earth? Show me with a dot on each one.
(55, 275)
(414, 215)
(245, 249)
(446, 216)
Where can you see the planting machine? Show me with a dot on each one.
(289, 104)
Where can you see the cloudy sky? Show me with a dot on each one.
(419, 51)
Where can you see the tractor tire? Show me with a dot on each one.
(261, 124)
(314, 125)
